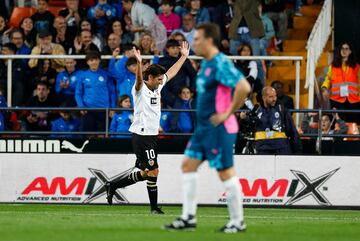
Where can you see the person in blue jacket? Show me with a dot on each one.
(121, 121)
(101, 13)
(2, 104)
(66, 123)
(66, 82)
(184, 121)
(95, 89)
(165, 120)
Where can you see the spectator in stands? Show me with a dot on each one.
(165, 120)
(249, 68)
(147, 45)
(123, 71)
(113, 42)
(45, 73)
(342, 83)
(95, 89)
(143, 18)
(115, 27)
(40, 120)
(6, 7)
(188, 28)
(170, 20)
(4, 31)
(43, 19)
(66, 83)
(83, 44)
(276, 11)
(246, 26)
(96, 38)
(184, 121)
(2, 104)
(194, 8)
(72, 14)
(185, 77)
(17, 37)
(223, 15)
(178, 37)
(122, 120)
(61, 35)
(18, 75)
(66, 123)
(117, 4)
(27, 25)
(46, 46)
(285, 100)
(269, 32)
(101, 14)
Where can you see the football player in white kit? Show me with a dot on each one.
(146, 124)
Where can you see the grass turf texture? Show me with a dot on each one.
(92, 222)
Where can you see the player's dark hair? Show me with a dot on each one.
(92, 54)
(172, 43)
(155, 70)
(211, 30)
(131, 61)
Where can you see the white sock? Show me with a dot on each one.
(189, 194)
(234, 200)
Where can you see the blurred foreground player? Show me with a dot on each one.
(215, 133)
(146, 124)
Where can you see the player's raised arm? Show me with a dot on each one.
(242, 91)
(139, 75)
(184, 50)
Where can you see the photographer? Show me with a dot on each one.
(275, 132)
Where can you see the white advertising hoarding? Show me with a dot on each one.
(265, 180)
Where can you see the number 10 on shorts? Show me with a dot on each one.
(150, 154)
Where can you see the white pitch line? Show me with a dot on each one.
(308, 218)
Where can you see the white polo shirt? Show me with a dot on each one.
(147, 110)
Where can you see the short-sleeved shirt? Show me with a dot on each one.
(215, 83)
(147, 110)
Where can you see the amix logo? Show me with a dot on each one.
(284, 191)
(59, 189)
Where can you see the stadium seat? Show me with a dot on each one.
(20, 13)
(352, 130)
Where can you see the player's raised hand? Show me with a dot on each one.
(185, 49)
(137, 55)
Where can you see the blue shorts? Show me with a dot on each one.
(215, 145)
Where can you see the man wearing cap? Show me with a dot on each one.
(46, 47)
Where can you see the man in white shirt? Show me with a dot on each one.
(146, 124)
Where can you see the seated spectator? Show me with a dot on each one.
(40, 120)
(276, 11)
(46, 46)
(43, 19)
(327, 125)
(115, 27)
(45, 73)
(72, 14)
(249, 68)
(66, 123)
(185, 121)
(170, 20)
(3, 31)
(113, 42)
(178, 37)
(342, 82)
(143, 18)
(269, 32)
(165, 120)
(96, 38)
(185, 77)
(17, 37)
(101, 14)
(122, 120)
(223, 15)
(2, 104)
(147, 45)
(66, 83)
(61, 35)
(200, 13)
(27, 25)
(83, 44)
(95, 89)
(18, 75)
(123, 71)
(188, 28)
(286, 100)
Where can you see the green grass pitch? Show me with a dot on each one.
(128, 223)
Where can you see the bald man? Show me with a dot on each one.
(275, 129)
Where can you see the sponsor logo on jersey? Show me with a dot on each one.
(153, 101)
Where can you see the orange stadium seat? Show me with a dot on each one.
(22, 12)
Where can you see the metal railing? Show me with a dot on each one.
(315, 45)
(296, 59)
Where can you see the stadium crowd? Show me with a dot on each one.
(113, 27)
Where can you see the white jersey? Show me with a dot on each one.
(147, 110)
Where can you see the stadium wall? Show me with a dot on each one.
(293, 181)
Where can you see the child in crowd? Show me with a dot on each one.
(101, 14)
(121, 121)
(66, 123)
(184, 121)
(170, 20)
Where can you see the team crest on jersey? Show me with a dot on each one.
(151, 162)
(101, 78)
(208, 72)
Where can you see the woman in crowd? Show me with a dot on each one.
(115, 26)
(200, 13)
(97, 39)
(27, 25)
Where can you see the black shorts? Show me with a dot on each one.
(145, 149)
